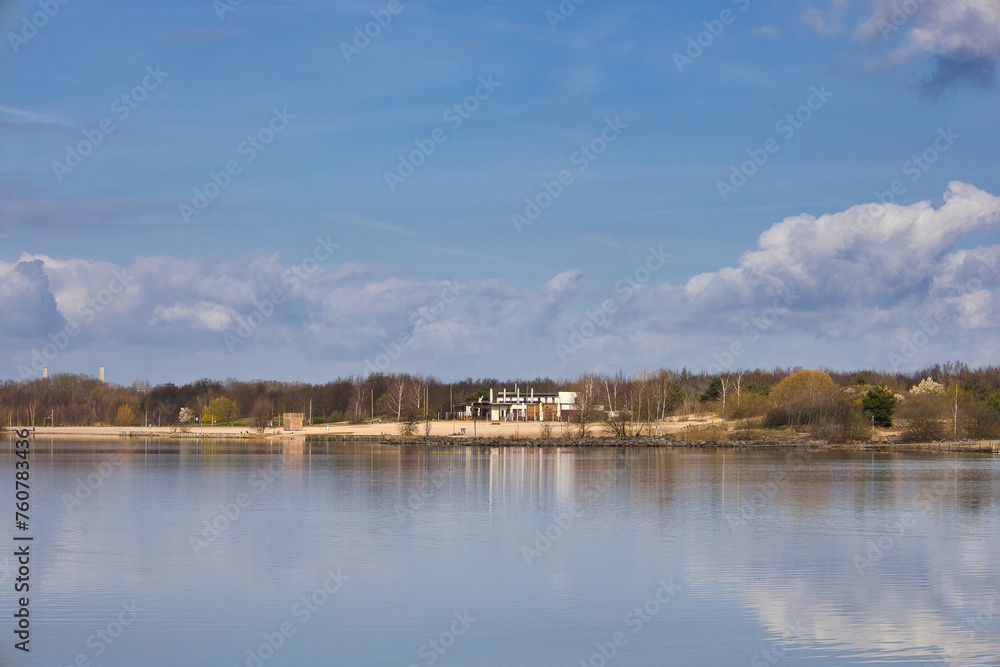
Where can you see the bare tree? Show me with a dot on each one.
(956, 410)
(396, 396)
(259, 415)
(586, 398)
(356, 406)
(642, 396)
(736, 385)
(669, 395)
(617, 415)
(32, 408)
(417, 384)
(629, 403)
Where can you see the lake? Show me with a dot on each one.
(181, 552)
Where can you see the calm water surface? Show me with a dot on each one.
(220, 553)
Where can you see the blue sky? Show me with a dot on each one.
(311, 262)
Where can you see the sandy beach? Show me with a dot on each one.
(389, 429)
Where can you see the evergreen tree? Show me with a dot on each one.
(880, 403)
(714, 391)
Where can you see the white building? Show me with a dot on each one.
(507, 405)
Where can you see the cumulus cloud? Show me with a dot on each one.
(26, 302)
(854, 286)
(869, 253)
(843, 289)
(958, 40)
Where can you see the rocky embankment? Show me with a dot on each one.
(655, 441)
(593, 441)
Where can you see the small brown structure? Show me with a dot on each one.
(292, 421)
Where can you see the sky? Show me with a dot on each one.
(311, 190)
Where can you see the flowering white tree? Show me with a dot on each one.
(928, 386)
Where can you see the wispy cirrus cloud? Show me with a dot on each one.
(33, 119)
(35, 209)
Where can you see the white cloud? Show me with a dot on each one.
(855, 283)
(563, 281)
(202, 315)
(25, 300)
(865, 253)
(961, 38)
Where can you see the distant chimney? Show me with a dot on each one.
(101, 375)
(45, 372)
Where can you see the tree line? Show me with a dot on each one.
(949, 400)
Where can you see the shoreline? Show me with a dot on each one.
(388, 430)
(490, 438)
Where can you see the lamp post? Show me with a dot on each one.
(451, 398)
